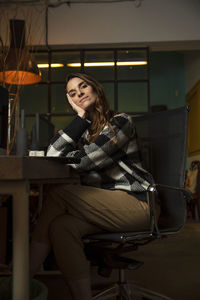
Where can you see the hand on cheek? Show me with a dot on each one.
(80, 111)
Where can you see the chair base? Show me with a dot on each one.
(128, 291)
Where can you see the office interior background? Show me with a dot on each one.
(162, 33)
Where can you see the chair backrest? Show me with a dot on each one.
(162, 138)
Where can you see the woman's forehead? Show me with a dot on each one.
(74, 83)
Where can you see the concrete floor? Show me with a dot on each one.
(171, 266)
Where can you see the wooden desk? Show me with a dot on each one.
(16, 174)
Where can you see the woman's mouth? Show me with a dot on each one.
(83, 99)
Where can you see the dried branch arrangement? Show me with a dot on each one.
(22, 29)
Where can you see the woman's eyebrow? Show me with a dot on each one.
(72, 90)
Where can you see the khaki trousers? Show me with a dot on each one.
(73, 211)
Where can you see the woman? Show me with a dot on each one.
(111, 196)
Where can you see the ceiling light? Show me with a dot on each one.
(55, 65)
(99, 64)
(131, 63)
(108, 64)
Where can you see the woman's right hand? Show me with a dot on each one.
(80, 112)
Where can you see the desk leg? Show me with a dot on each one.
(21, 241)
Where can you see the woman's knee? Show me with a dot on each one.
(67, 226)
(63, 226)
(56, 227)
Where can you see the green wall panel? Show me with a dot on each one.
(167, 79)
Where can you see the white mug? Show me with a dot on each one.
(36, 153)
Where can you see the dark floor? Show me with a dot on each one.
(171, 266)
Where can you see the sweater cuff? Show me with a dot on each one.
(76, 128)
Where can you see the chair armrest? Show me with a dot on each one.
(151, 195)
(187, 193)
(152, 191)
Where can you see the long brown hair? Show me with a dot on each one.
(102, 113)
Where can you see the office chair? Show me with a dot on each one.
(162, 140)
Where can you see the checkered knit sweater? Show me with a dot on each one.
(111, 161)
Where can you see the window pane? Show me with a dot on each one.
(99, 72)
(42, 58)
(132, 57)
(34, 99)
(61, 122)
(132, 97)
(109, 91)
(64, 58)
(59, 103)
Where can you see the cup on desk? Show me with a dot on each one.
(36, 153)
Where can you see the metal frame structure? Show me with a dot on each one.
(49, 82)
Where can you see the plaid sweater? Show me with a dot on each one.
(111, 161)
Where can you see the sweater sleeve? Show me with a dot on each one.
(66, 140)
(107, 148)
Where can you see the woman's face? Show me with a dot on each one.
(81, 93)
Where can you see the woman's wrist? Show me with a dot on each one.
(82, 115)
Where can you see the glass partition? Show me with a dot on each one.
(33, 98)
(124, 73)
(59, 103)
(132, 97)
(42, 62)
(132, 64)
(99, 64)
(109, 91)
(66, 63)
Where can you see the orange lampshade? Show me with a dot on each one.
(19, 67)
(20, 77)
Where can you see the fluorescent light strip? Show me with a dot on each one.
(99, 64)
(44, 66)
(131, 63)
(109, 64)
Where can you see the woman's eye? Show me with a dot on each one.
(83, 86)
(72, 95)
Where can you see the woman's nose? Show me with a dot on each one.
(80, 93)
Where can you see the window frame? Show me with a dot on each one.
(115, 81)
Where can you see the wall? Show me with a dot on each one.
(167, 79)
(153, 21)
(192, 69)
